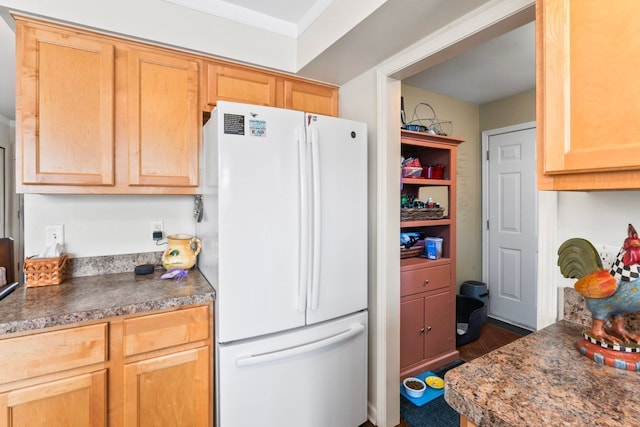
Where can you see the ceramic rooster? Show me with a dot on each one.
(608, 293)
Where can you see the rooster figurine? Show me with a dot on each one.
(608, 293)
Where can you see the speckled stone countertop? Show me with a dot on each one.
(87, 298)
(542, 380)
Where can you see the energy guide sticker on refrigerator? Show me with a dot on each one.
(257, 128)
(284, 235)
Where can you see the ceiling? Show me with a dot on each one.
(496, 69)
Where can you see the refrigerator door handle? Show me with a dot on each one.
(303, 272)
(306, 348)
(317, 219)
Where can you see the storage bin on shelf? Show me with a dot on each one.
(45, 271)
(420, 214)
(433, 172)
(411, 252)
(411, 172)
(434, 247)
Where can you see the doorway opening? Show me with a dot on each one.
(510, 219)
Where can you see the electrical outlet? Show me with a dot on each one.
(607, 254)
(54, 234)
(157, 230)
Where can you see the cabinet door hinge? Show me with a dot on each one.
(487, 224)
(487, 155)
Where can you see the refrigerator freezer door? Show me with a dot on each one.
(259, 238)
(312, 377)
(339, 210)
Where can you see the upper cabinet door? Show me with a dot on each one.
(588, 91)
(311, 97)
(237, 84)
(164, 120)
(65, 108)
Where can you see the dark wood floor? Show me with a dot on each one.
(494, 334)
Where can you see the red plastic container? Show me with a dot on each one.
(433, 172)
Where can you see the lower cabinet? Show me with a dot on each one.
(170, 390)
(427, 320)
(151, 369)
(168, 372)
(79, 400)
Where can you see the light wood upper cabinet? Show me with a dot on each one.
(65, 109)
(588, 128)
(100, 114)
(239, 84)
(252, 86)
(97, 114)
(311, 97)
(163, 119)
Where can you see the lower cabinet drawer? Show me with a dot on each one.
(424, 279)
(164, 330)
(44, 353)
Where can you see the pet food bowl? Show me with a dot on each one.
(414, 387)
(434, 382)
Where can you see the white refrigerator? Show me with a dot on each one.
(284, 243)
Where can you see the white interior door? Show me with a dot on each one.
(510, 214)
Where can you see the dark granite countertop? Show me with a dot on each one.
(88, 298)
(542, 380)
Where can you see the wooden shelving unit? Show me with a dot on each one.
(428, 287)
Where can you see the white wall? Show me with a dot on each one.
(601, 217)
(96, 225)
(358, 101)
(336, 20)
(171, 25)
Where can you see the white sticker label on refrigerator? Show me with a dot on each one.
(257, 128)
(233, 124)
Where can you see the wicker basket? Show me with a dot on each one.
(45, 271)
(417, 214)
(411, 252)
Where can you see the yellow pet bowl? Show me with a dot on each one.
(434, 382)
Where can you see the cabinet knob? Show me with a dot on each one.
(426, 282)
(428, 328)
(422, 330)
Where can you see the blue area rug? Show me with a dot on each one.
(436, 413)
